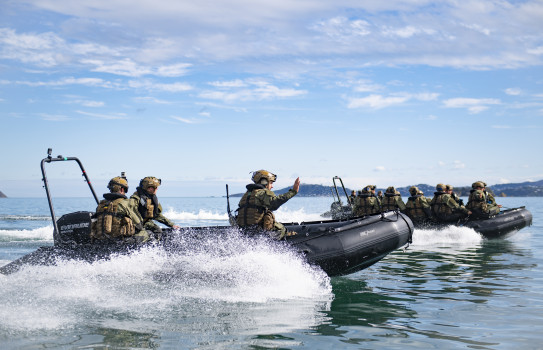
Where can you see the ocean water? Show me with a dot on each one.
(451, 289)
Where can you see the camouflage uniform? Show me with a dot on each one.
(481, 206)
(366, 203)
(142, 203)
(392, 200)
(115, 219)
(256, 208)
(418, 207)
(445, 208)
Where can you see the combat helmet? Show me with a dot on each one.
(391, 190)
(263, 177)
(117, 183)
(478, 184)
(449, 187)
(150, 181)
(413, 190)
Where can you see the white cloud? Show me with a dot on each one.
(375, 101)
(184, 120)
(513, 91)
(104, 116)
(473, 105)
(458, 165)
(249, 90)
(154, 86)
(379, 168)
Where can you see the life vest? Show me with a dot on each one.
(415, 208)
(251, 214)
(148, 206)
(479, 204)
(440, 209)
(389, 202)
(365, 205)
(109, 223)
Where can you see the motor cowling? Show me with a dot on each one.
(74, 229)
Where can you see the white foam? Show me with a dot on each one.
(450, 235)
(37, 234)
(152, 282)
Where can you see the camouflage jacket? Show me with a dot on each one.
(136, 204)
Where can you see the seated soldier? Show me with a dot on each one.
(115, 220)
(479, 203)
(417, 208)
(392, 200)
(366, 203)
(445, 208)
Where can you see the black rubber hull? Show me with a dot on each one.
(339, 247)
(502, 225)
(347, 246)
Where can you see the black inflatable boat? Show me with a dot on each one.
(501, 225)
(339, 247)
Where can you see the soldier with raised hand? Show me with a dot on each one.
(114, 219)
(445, 208)
(255, 209)
(145, 202)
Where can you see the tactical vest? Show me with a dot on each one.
(251, 214)
(149, 208)
(414, 207)
(440, 209)
(109, 223)
(365, 205)
(389, 203)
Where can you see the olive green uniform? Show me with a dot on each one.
(446, 209)
(116, 220)
(392, 201)
(366, 204)
(481, 205)
(149, 210)
(418, 209)
(256, 206)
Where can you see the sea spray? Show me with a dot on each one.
(206, 274)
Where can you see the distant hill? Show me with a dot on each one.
(2, 195)
(524, 189)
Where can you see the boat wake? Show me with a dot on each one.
(153, 283)
(451, 235)
(38, 234)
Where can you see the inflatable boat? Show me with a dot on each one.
(339, 247)
(501, 225)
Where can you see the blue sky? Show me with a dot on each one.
(201, 93)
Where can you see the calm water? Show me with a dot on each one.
(450, 289)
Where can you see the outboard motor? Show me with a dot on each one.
(74, 229)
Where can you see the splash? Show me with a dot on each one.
(204, 272)
(201, 215)
(37, 234)
(450, 235)
(299, 215)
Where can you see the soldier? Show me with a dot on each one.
(352, 197)
(479, 202)
(445, 208)
(392, 200)
(380, 195)
(115, 219)
(366, 203)
(145, 202)
(417, 208)
(255, 209)
(449, 190)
